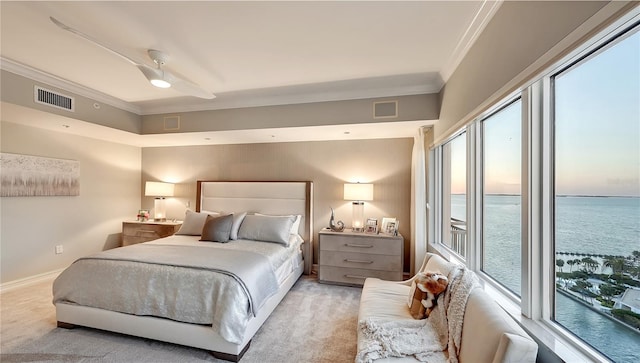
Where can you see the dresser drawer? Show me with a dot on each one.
(138, 232)
(348, 258)
(150, 231)
(354, 276)
(361, 260)
(370, 245)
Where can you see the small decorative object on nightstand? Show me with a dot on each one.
(137, 232)
(348, 258)
(333, 225)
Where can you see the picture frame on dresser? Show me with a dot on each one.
(372, 226)
(392, 228)
(389, 226)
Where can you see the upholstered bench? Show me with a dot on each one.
(489, 334)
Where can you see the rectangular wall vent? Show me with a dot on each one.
(171, 123)
(385, 109)
(55, 99)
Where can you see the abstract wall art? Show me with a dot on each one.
(31, 176)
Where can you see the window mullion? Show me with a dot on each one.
(545, 253)
(474, 191)
(534, 295)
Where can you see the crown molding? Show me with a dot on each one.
(389, 86)
(44, 77)
(483, 16)
(376, 87)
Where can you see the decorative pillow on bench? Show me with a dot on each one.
(425, 289)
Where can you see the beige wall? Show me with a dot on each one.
(410, 108)
(85, 224)
(386, 163)
(519, 34)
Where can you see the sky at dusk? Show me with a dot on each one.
(597, 130)
(598, 123)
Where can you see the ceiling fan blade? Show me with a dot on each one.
(189, 88)
(179, 84)
(92, 40)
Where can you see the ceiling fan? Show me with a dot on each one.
(158, 76)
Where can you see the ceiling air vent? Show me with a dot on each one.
(385, 109)
(55, 99)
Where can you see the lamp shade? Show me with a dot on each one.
(158, 189)
(358, 191)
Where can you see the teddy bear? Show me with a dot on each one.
(425, 289)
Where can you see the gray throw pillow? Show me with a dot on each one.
(266, 228)
(217, 229)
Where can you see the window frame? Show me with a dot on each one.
(438, 153)
(534, 310)
(479, 196)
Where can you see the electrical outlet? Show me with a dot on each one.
(59, 249)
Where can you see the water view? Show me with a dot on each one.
(593, 235)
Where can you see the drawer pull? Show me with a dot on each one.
(357, 261)
(355, 277)
(357, 245)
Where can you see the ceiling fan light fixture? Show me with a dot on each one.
(160, 83)
(156, 76)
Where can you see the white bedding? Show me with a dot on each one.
(201, 296)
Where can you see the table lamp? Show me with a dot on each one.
(358, 193)
(159, 190)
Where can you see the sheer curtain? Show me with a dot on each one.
(418, 202)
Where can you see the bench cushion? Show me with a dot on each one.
(384, 299)
(488, 335)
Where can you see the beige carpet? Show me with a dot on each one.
(314, 323)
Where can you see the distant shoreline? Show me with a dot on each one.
(565, 195)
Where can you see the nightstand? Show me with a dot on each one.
(348, 258)
(137, 232)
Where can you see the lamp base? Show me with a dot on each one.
(159, 212)
(357, 224)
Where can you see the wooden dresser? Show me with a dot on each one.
(137, 232)
(348, 258)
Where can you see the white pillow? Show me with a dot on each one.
(194, 222)
(295, 227)
(235, 227)
(275, 229)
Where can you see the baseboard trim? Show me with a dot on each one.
(12, 285)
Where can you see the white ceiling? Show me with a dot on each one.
(247, 53)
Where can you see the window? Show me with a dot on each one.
(454, 194)
(597, 204)
(501, 235)
(573, 190)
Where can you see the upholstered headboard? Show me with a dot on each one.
(270, 197)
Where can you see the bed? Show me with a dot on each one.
(195, 294)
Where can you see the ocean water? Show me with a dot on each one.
(592, 225)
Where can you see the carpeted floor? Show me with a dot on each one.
(314, 323)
